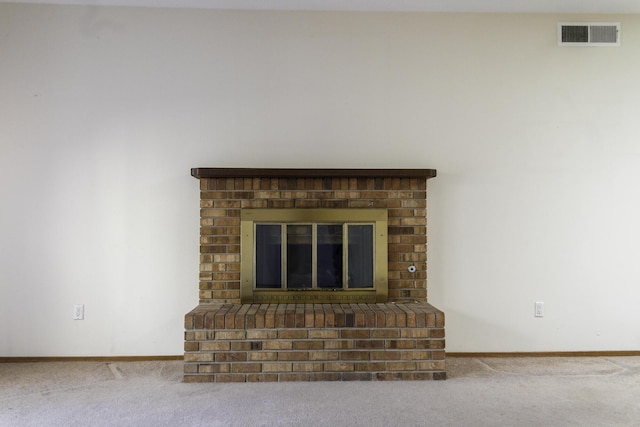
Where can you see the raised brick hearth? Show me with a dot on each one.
(314, 342)
(226, 340)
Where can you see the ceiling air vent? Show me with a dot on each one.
(589, 34)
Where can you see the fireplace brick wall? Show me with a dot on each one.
(223, 198)
(225, 340)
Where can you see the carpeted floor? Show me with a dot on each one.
(596, 391)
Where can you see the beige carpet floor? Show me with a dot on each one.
(596, 391)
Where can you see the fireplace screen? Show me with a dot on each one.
(285, 252)
(313, 256)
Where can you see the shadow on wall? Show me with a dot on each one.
(458, 341)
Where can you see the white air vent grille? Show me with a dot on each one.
(589, 34)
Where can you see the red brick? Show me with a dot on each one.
(354, 355)
(198, 378)
(325, 376)
(324, 355)
(262, 356)
(214, 368)
(215, 346)
(430, 365)
(259, 378)
(324, 334)
(191, 346)
(293, 333)
(245, 367)
(276, 367)
(417, 376)
(401, 366)
(416, 355)
(385, 355)
(385, 333)
(370, 366)
(307, 367)
(369, 344)
(338, 366)
(293, 355)
(230, 378)
(277, 345)
(354, 333)
(293, 377)
(308, 345)
(400, 344)
(389, 376)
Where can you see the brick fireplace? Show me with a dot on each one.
(381, 331)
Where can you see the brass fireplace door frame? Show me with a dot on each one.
(377, 217)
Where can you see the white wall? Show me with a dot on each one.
(103, 111)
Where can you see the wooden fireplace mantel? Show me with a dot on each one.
(310, 173)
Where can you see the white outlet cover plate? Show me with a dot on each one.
(78, 312)
(539, 309)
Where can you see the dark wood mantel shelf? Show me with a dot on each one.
(310, 173)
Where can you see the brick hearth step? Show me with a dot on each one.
(314, 342)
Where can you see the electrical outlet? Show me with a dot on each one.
(78, 312)
(539, 309)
